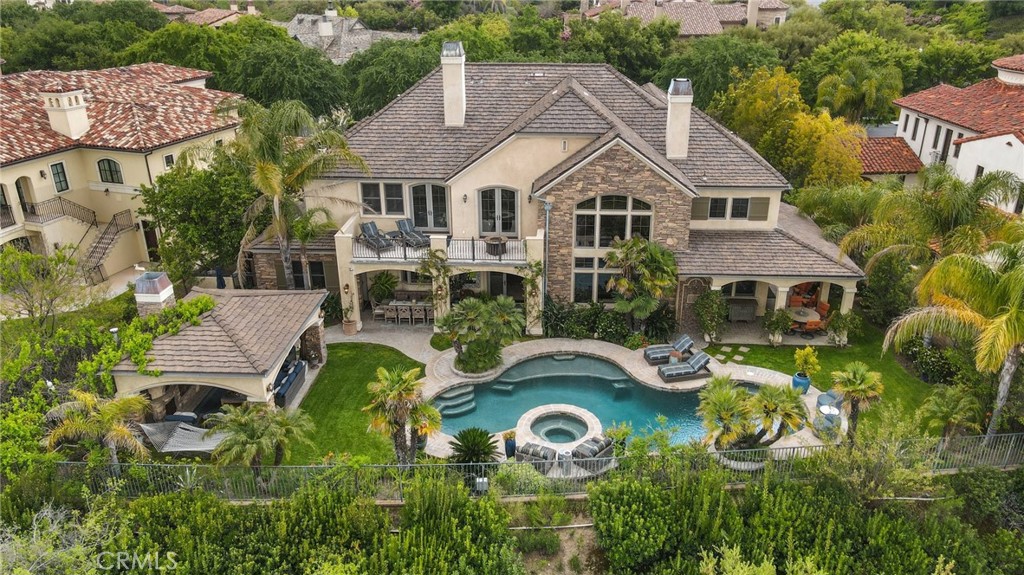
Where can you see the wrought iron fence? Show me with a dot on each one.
(458, 249)
(6, 216)
(516, 479)
(53, 208)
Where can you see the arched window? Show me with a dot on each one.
(110, 172)
(599, 221)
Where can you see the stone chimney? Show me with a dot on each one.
(250, 8)
(752, 9)
(233, 6)
(453, 78)
(153, 292)
(67, 110)
(331, 10)
(677, 128)
(326, 28)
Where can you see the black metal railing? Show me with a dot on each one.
(53, 208)
(6, 217)
(121, 222)
(459, 250)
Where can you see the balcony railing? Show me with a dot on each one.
(459, 250)
(6, 217)
(53, 208)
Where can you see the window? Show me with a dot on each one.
(618, 217)
(60, 177)
(169, 161)
(778, 19)
(938, 134)
(392, 203)
(110, 172)
(498, 211)
(218, 143)
(716, 209)
(956, 147)
(415, 278)
(740, 208)
(913, 135)
(583, 263)
(979, 172)
(393, 200)
(906, 121)
(740, 289)
(316, 275)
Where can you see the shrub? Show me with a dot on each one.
(382, 288)
(612, 327)
(775, 323)
(332, 308)
(513, 479)
(542, 541)
(440, 342)
(712, 311)
(636, 340)
(473, 445)
(806, 361)
(660, 325)
(632, 520)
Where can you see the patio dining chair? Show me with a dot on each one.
(378, 310)
(418, 313)
(810, 329)
(404, 312)
(796, 301)
(390, 314)
(823, 308)
(430, 314)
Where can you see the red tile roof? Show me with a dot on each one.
(888, 156)
(210, 16)
(135, 108)
(1019, 134)
(1015, 63)
(988, 106)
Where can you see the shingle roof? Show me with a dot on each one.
(135, 108)
(731, 13)
(408, 138)
(1015, 63)
(210, 16)
(247, 332)
(267, 243)
(988, 106)
(773, 5)
(888, 156)
(794, 248)
(349, 35)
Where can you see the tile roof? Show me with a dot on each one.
(247, 332)
(731, 13)
(408, 138)
(171, 10)
(1015, 63)
(773, 5)
(988, 106)
(794, 248)
(1019, 134)
(211, 16)
(695, 18)
(349, 35)
(888, 156)
(267, 243)
(136, 108)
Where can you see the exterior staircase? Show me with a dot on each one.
(53, 208)
(104, 243)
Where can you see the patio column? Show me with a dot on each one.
(343, 242)
(781, 297)
(823, 294)
(848, 293)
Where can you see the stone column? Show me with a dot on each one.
(826, 287)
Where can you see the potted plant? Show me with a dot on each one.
(675, 356)
(510, 443)
(807, 365)
(712, 311)
(841, 326)
(348, 325)
(776, 322)
(382, 288)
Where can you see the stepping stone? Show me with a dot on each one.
(726, 348)
(744, 349)
(737, 358)
(720, 357)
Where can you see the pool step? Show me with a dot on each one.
(622, 385)
(563, 357)
(457, 392)
(506, 387)
(447, 404)
(460, 410)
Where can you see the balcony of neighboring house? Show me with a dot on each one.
(7, 217)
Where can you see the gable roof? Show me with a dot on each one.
(171, 10)
(888, 156)
(408, 138)
(695, 18)
(988, 106)
(247, 332)
(349, 35)
(134, 108)
(210, 16)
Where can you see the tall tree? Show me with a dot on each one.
(822, 150)
(109, 422)
(879, 52)
(861, 90)
(307, 226)
(803, 31)
(859, 386)
(977, 298)
(41, 286)
(376, 76)
(709, 63)
(636, 50)
(397, 409)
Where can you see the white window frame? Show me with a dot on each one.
(168, 164)
(382, 194)
(53, 177)
(597, 211)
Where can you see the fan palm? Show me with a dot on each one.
(473, 445)
(283, 148)
(726, 411)
(289, 427)
(776, 404)
(861, 90)
(306, 227)
(837, 210)
(859, 386)
(976, 298)
(647, 273)
(109, 422)
(950, 408)
(397, 409)
(248, 435)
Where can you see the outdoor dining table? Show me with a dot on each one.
(803, 314)
(409, 303)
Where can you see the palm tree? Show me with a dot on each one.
(976, 298)
(397, 409)
(647, 274)
(859, 386)
(283, 148)
(726, 410)
(837, 210)
(249, 436)
(110, 422)
(860, 90)
(289, 427)
(774, 403)
(307, 227)
(473, 445)
(942, 215)
(951, 408)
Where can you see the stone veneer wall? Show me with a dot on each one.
(266, 264)
(313, 344)
(617, 171)
(689, 290)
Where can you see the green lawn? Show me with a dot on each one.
(900, 386)
(336, 400)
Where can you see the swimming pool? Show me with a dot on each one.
(594, 384)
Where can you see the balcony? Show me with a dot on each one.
(460, 250)
(48, 210)
(6, 217)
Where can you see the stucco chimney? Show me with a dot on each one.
(233, 6)
(752, 9)
(677, 127)
(153, 292)
(250, 8)
(331, 10)
(326, 28)
(453, 77)
(66, 109)
(624, 7)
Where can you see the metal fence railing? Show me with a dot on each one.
(459, 250)
(514, 479)
(53, 208)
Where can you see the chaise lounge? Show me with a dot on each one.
(659, 354)
(374, 238)
(411, 236)
(694, 368)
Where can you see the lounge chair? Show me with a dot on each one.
(659, 354)
(373, 237)
(542, 457)
(830, 397)
(411, 236)
(694, 368)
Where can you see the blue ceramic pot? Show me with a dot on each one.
(801, 382)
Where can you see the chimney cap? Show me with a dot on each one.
(680, 87)
(152, 283)
(452, 50)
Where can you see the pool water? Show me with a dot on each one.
(596, 385)
(559, 427)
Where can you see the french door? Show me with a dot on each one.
(430, 207)
(498, 212)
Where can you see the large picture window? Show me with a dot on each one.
(384, 199)
(317, 277)
(600, 221)
(110, 172)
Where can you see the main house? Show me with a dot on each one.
(75, 147)
(338, 37)
(504, 164)
(695, 17)
(975, 129)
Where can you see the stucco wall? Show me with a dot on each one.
(996, 153)
(740, 224)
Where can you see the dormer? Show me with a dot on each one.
(67, 110)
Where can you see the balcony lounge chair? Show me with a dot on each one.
(659, 354)
(694, 368)
(411, 236)
(373, 237)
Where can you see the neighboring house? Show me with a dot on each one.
(504, 164)
(697, 17)
(46, 4)
(887, 157)
(173, 12)
(217, 17)
(337, 37)
(975, 129)
(76, 146)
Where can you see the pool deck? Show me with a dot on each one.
(441, 376)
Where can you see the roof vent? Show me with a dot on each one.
(537, 74)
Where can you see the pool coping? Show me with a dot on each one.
(525, 434)
(440, 375)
